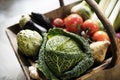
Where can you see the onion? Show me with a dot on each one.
(118, 34)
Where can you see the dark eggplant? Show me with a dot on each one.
(42, 20)
(26, 23)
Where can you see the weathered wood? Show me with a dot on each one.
(11, 33)
(61, 3)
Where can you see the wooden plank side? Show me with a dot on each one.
(11, 34)
(61, 12)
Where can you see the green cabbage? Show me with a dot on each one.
(29, 42)
(63, 55)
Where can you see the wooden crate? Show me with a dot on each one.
(95, 73)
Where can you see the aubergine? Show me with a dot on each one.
(42, 20)
(26, 23)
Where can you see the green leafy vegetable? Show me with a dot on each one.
(64, 55)
(83, 9)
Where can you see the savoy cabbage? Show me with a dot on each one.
(63, 55)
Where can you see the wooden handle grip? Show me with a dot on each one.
(61, 3)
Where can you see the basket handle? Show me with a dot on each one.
(61, 3)
(109, 28)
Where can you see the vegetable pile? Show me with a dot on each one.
(89, 28)
(65, 47)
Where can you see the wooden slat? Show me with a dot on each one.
(11, 34)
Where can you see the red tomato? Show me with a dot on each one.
(100, 36)
(73, 22)
(90, 26)
(58, 22)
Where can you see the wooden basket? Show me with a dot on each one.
(62, 12)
